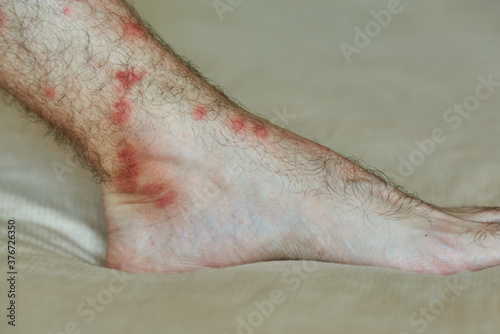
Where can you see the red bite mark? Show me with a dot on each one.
(66, 11)
(166, 200)
(238, 124)
(128, 78)
(152, 189)
(121, 112)
(132, 30)
(126, 181)
(50, 92)
(260, 131)
(199, 114)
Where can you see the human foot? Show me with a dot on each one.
(236, 189)
(191, 180)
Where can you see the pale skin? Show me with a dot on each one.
(192, 180)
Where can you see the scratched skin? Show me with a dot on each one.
(152, 189)
(142, 186)
(166, 150)
(127, 179)
(134, 178)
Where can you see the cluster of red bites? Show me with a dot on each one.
(240, 125)
(130, 168)
(122, 108)
(127, 181)
(237, 124)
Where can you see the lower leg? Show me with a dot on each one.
(190, 179)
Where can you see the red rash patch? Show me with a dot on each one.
(66, 11)
(152, 189)
(50, 92)
(166, 200)
(132, 30)
(260, 131)
(237, 124)
(128, 78)
(122, 111)
(126, 181)
(199, 114)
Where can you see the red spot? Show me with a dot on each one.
(152, 189)
(237, 124)
(260, 131)
(166, 200)
(128, 78)
(66, 11)
(121, 112)
(126, 181)
(132, 30)
(199, 113)
(50, 92)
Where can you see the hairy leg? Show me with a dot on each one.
(190, 179)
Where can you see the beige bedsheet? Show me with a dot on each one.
(282, 59)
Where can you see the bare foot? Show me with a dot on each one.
(229, 188)
(190, 180)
